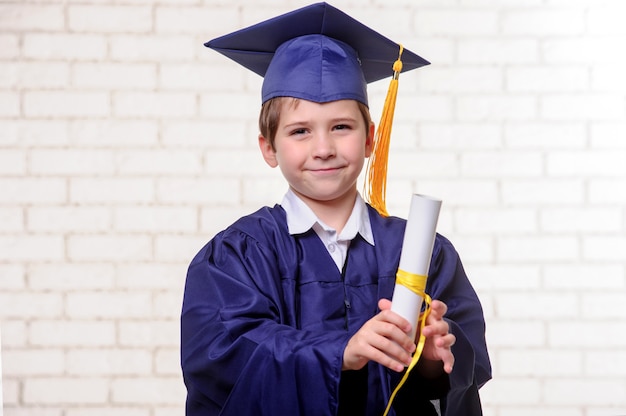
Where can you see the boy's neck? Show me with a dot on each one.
(334, 213)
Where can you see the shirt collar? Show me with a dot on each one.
(300, 218)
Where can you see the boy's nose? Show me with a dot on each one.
(324, 146)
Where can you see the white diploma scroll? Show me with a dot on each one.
(417, 249)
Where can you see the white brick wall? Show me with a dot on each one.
(125, 144)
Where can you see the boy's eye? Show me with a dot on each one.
(298, 131)
(342, 127)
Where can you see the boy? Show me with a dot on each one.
(287, 311)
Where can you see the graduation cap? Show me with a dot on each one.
(318, 53)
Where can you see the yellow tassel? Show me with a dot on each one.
(376, 177)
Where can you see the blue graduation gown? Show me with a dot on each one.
(266, 317)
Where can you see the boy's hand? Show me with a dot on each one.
(382, 339)
(438, 340)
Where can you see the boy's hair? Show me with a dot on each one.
(270, 116)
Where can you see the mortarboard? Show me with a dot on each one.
(319, 53)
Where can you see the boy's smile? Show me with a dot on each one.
(320, 149)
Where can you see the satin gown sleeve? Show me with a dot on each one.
(240, 354)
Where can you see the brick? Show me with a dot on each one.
(31, 248)
(33, 362)
(544, 411)
(596, 360)
(14, 333)
(149, 104)
(66, 104)
(581, 219)
(75, 333)
(480, 79)
(12, 393)
(61, 46)
(474, 249)
(607, 78)
(156, 219)
(588, 163)
(411, 164)
(159, 162)
(533, 192)
(610, 307)
(496, 107)
(109, 19)
(547, 79)
(198, 190)
(152, 48)
(502, 164)
(606, 20)
(153, 391)
(496, 278)
(12, 277)
(433, 22)
(581, 50)
(520, 135)
(576, 276)
(429, 108)
(543, 22)
(167, 304)
(565, 334)
(590, 106)
(109, 248)
(516, 305)
(604, 191)
(68, 218)
(110, 305)
(113, 133)
(152, 276)
(605, 248)
(114, 75)
(481, 221)
(20, 17)
(214, 219)
(31, 305)
(43, 133)
(65, 391)
(456, 192)
(264, 190)
(109, 362)
(232, 106)
(9, 132)
(67, 276)
(200, 77)
(540, 362)
(32, 75)
(111, 190)
(165, 333)
(506, 392)
(538, 249)
(576, 392)
(461, 136)
(205, 21)
(12, 162)
(484, 50)
(167, 362)
(9, 104)
(9, 46)
(11, 219)
(607, 135)
(176, 248)
(109, 410)
(205, 134)
(72, 162)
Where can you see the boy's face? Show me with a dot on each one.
(320, 148)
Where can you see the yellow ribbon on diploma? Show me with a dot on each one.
(416, 283)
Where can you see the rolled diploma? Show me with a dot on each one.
(417, 249)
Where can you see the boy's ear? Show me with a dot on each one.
(369, 140)
(268, 152)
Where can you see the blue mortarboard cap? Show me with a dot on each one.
(317, 53)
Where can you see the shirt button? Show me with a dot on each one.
(331, 248)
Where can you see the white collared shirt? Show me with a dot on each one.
(300, 219)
